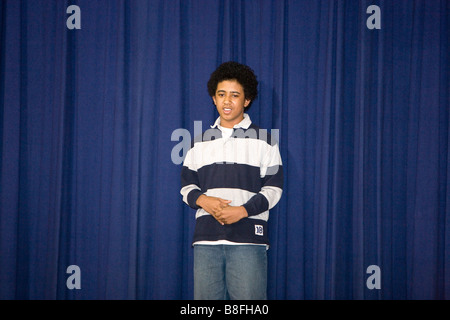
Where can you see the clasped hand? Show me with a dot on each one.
(221, 210)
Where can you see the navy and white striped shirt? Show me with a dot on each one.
(245, 168)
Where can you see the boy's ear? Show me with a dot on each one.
(247, 102)
(214, 99)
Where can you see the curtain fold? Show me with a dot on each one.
(87, 117)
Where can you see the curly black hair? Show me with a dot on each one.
(235, 71)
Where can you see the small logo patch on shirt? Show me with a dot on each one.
(259, 230)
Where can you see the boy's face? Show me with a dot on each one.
(230, 102)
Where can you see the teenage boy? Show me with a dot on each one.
(233, 176)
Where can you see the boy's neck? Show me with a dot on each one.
(226, 124)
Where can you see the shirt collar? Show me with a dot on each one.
(245, 123)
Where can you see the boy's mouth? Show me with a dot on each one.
(227, 110)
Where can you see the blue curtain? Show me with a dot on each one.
(87, 116)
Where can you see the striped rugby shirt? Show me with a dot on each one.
(245, 168)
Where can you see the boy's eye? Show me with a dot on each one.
(221, 95)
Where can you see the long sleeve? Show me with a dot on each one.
(272, 184)
(190, 188)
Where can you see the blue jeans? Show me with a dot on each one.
(237, 272)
